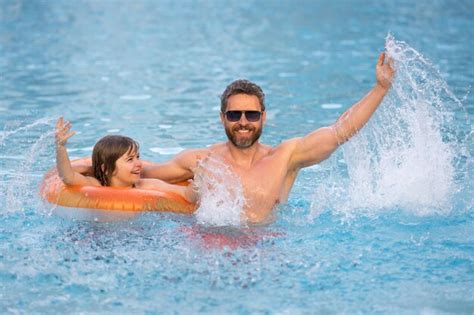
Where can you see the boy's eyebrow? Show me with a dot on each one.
(133, 153)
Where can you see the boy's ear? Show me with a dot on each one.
(102, 167)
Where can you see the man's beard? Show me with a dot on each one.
(243, 143)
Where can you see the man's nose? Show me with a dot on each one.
(243, 119)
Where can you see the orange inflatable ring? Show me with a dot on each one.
(110, 198)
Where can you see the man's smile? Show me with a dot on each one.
(242, 129)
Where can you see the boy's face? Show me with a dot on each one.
(127, 169)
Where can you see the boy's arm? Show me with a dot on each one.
(83, 166)
(65, 170)
(321, 143)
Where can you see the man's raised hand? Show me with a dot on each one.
(384, 71)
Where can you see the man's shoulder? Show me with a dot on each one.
(217, 148)
(193, 153)
(287, 146)
(281, 151)
(200, 153)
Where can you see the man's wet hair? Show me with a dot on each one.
(106, 152)
(242, 87)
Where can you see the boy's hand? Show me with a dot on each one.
(62, 131)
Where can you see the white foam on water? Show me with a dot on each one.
(222, 199)
(167, 151)
(331, 106)
(286, 74)
(412, 155)
(138, 97)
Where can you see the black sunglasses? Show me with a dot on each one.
(250, 115)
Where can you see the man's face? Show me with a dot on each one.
(243, 133)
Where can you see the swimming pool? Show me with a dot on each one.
(384, 226)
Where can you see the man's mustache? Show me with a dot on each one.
(242, 127)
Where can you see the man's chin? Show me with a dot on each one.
(243, 145)
(243, 141)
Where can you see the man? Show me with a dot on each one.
(268, 173)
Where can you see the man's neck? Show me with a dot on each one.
(244, 157)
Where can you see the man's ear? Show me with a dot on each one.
(222, 118)
(264, 117)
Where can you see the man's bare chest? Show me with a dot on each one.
(263, 180)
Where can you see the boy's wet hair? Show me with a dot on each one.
(106, 152)
(242, 87)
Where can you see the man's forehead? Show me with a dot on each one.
(243, 101)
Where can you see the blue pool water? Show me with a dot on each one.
(386, 225)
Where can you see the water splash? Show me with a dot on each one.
(222, 197)
(412, 155)
(8, 133)
(18, 185)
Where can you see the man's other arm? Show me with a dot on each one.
(321, 143)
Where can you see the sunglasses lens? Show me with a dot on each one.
(253, 115)
(233, 115)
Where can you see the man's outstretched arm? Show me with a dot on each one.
(318, 145)
(178, 169)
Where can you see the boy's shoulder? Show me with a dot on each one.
(92, 181)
